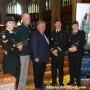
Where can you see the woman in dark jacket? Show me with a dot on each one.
(11, 59)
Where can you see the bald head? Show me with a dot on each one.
(26, 18)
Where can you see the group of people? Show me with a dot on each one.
(16, 46)
(19, 44)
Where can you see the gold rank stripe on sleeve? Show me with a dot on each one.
(4, 41)
(59, 48)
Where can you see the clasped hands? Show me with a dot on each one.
(37, 60)
(20, 47)
(55, 52)
(72, 49)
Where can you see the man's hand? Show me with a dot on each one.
(55, 52)
(37, 60)
(20, 47)
(72, 49)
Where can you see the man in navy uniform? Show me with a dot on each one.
(11, 59)
(58, 41)
(40, 54)
(75, 52)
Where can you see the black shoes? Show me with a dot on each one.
(52, 84)
(37, 88)
(79, 85)
(61, 84)
(40, 88)
(70, 83)
(44, 85)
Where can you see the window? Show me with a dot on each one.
(66, 2)
(33, 7)
(48, 4)
(14, 7)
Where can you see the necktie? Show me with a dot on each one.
(45, 38)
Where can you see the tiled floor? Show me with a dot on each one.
(85, 85)
(47, 80)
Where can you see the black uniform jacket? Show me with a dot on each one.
(59, 41)
(78, 40)
(11, 52)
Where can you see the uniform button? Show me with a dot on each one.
(14, 45)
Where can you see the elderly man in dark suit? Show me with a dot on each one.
(40, 53)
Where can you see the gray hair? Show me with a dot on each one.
(40, 21)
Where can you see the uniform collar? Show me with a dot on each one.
(57, 30)
(9, 30)
(25, 25)
(74, 31)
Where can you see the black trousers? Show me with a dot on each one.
(38, 70)
(57, 63)
(75, 67)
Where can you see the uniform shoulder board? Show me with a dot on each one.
(3, 35)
